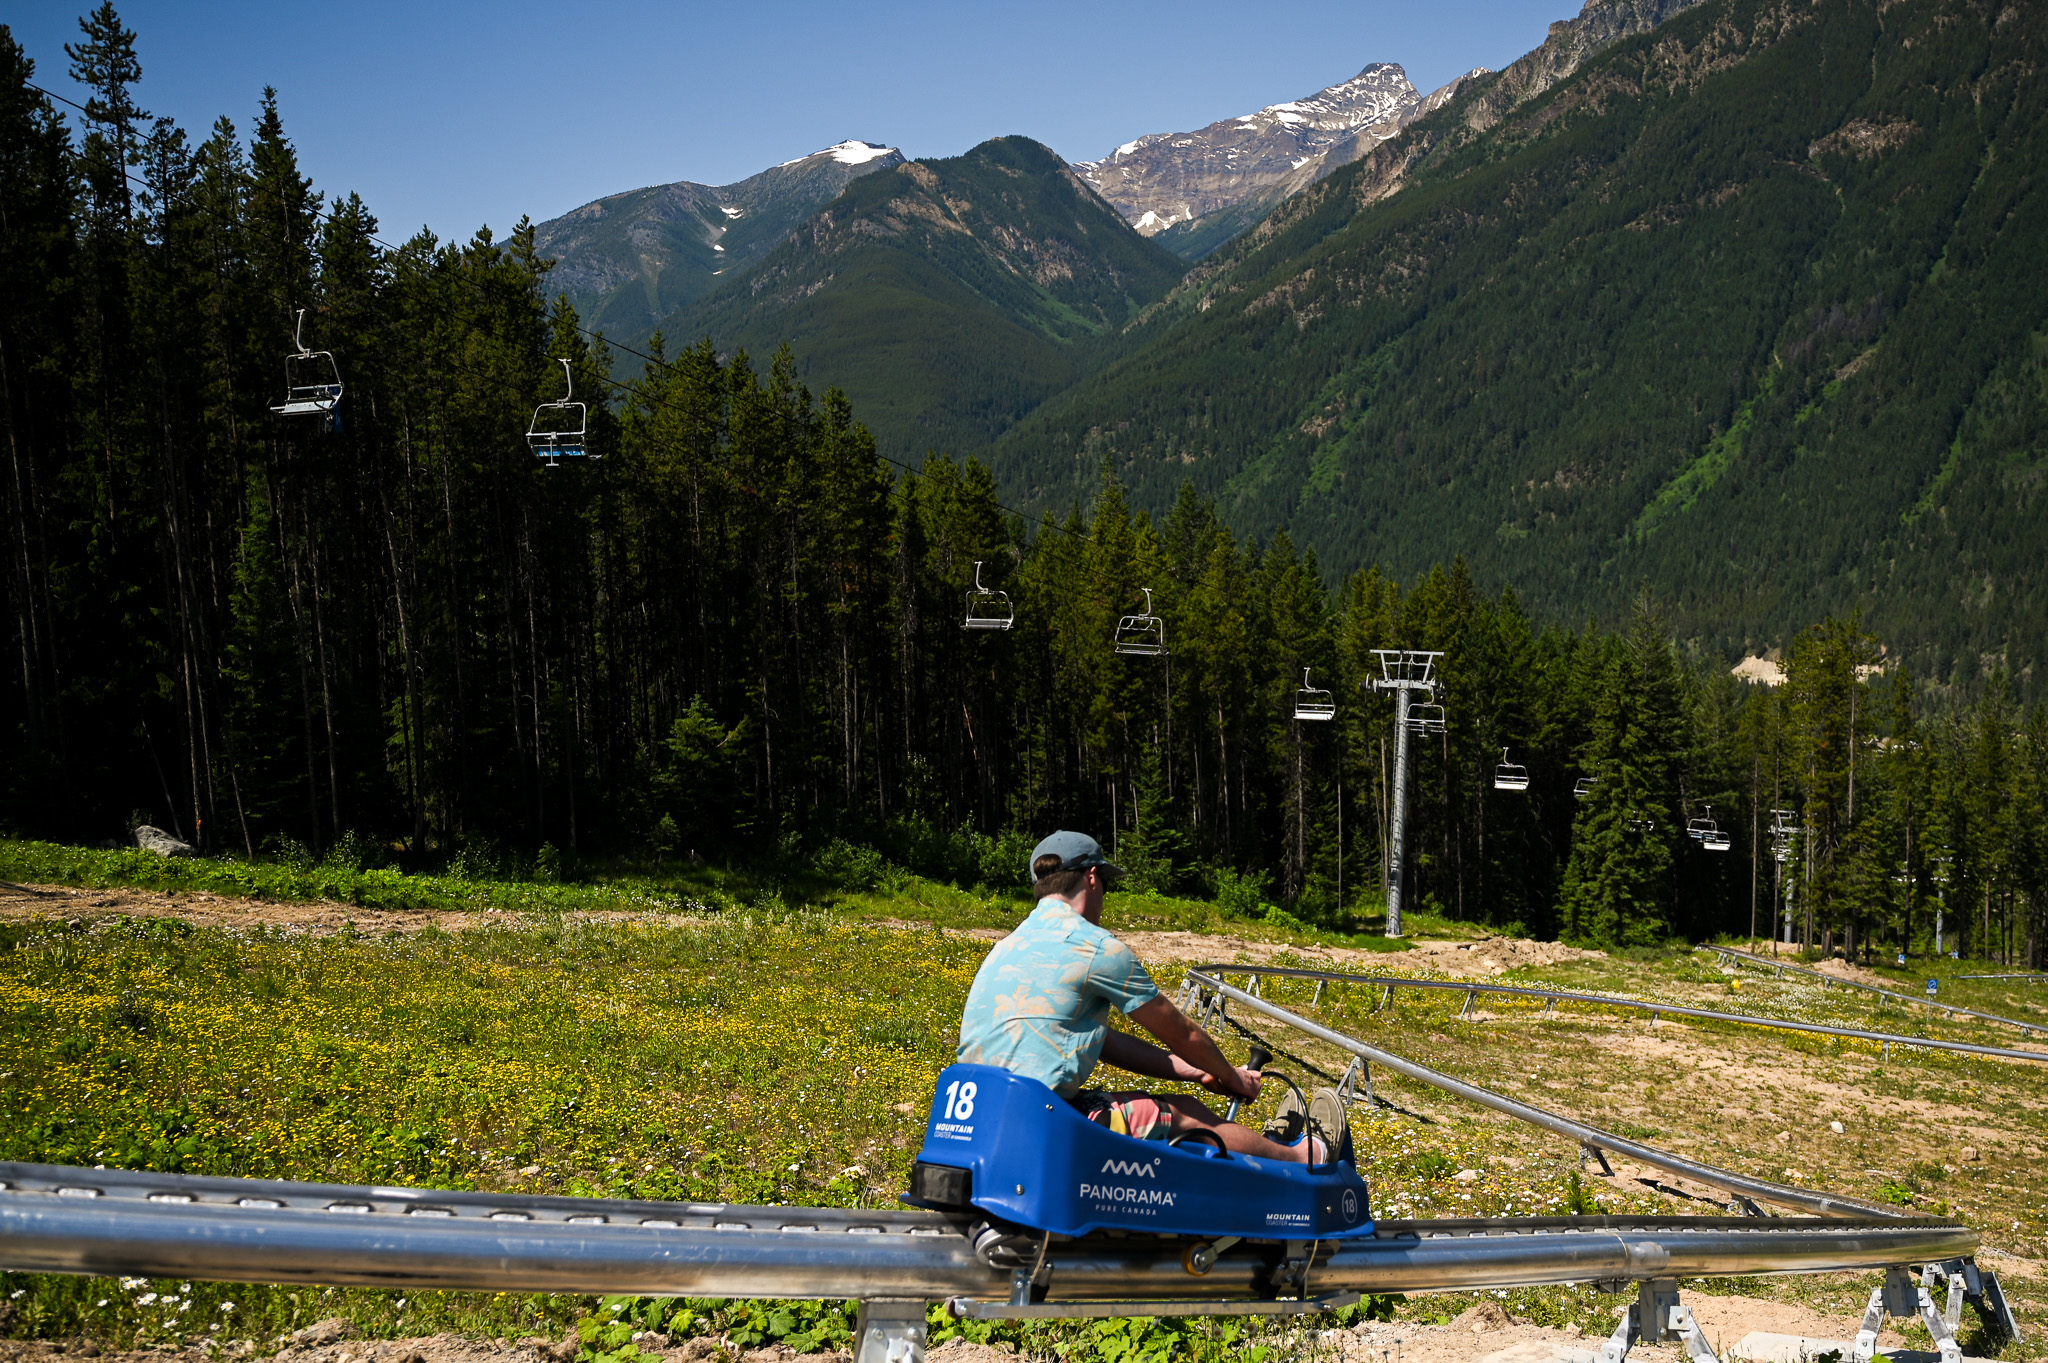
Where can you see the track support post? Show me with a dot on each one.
(1898, 1296)
(1669, 1318)
(1654, 1317)
(890, 1330)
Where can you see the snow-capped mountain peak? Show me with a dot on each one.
(850, 153)
(1162, 179)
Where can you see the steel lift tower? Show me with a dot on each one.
(1405, 672)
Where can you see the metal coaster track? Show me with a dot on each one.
(1829, 981)
(1472, 989)
(105, 1222)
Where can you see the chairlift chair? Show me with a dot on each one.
(1584, 787)
(1639, 823)
(312, 381)
(550, 435)
(1709, 833)
(1427, 719)
(1312, 702)
(988, 609)
(1510, 775)
(1143, 635)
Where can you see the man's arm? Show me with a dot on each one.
(1192, 1055)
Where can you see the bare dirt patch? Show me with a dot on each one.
(318, 917)
(1487, 958)
(315, 918)
(1482, 1336)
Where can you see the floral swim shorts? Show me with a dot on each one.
(1127, 1114)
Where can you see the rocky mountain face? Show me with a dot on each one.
(1200, 188)
(947, 297)
(629, 260)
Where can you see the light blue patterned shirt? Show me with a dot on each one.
(1040, 1002)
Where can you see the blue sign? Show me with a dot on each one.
(1932, 987)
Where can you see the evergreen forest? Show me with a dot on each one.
(734, 630)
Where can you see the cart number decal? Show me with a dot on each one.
(959, 1100)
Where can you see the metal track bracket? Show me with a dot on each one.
(890, 1330)
(1654, 1317)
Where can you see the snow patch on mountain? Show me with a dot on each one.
(849, 153)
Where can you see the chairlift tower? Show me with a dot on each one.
(1405, 672)
(1781, 851)
(1940, 868)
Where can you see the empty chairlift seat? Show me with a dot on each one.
(1427, 719)
(559, 428)
(312, 381)
(1142, 635)
(1312, 702)
(1510, 775)
(988, 609)
(1704, 831)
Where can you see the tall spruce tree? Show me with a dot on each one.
(1618, 883)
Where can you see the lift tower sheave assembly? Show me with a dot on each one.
(1404, 672)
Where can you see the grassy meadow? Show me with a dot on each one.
(717, 1036)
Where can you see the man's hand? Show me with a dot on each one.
(1235, 1082)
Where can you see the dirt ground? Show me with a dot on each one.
(1485, 958)
(318, 918)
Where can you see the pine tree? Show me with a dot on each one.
(1618, 883)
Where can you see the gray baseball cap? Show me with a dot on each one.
(1076, 851)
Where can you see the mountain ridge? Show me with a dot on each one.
(1195, 190)
(630, 259)
(946, 296)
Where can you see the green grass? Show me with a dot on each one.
(778, 1044)
(752, 1057)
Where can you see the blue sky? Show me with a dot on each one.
(453, 115)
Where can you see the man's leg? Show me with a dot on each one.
(1192, 1114)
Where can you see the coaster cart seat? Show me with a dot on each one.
(1015, 1151)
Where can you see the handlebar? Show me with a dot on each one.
(1255, 1062)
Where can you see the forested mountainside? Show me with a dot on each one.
(628, 260)
(946, 297)
(1753, 307)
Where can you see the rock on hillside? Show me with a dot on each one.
(629, 260)
(1233, 171)
(153, 839)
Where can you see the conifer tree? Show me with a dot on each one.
(1617, 887)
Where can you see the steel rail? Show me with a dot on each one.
(1727, 1180)
(1827, 981)
(105, 1222)
(1611, 1001)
